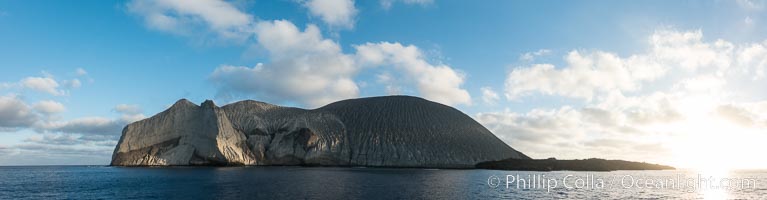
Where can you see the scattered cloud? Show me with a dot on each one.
(81, 72)
(745, 114)
(672, 95)
(336, 13)
(331, 72)
(88, 131)
(49, 107)
(437, 82)
(751, 4)
(489, 96)
(42, 84)
(305, 67)
(88, 137)
(530, 56)
(748, 21)
(590, 74)
(387, 4)
(74, 83)
(752, 59)
(189, 17)
(129, 112)
(541, 133)
(47, 150)
(96, 126)
(128, 108)
(4, 150)
(86, 126)
(15, 113)
(392, 88)
(582, 78)
(688, 50)
(54, 139)
(46, 84)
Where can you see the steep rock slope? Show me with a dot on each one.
(392, 131)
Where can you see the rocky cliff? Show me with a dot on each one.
(392, 131)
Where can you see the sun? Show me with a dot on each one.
(710, 144)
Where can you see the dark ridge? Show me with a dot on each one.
(592, 164)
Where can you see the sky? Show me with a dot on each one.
(672, 82)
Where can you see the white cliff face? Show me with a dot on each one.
(185, 134)
(393, 131)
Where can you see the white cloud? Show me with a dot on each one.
(390, 82)
(49, 107)
(305, 67)
(582, 78)
(336, 13)
(129, 112)
(585, 76)
(15, 113)
(530, 56)
(701, 83)
(439, 82)
(4, 150)
(47, 151)
(309, 69)
(751, 4)
(74, 83)
(748, 21)
(688, 51)
(543, 133)
(81, 72)
(283, 40)
(745, 114)
(86, 126)
(85, 131)
(46, 84)
(753, 59)
(184, 17)
(386, 4)
(42, 84)
(84, 137)
(54, 139)
(128, 108)
(489, 96)
(668, 104)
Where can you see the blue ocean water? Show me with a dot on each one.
(102, 182)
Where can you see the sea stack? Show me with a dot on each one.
(391, 131)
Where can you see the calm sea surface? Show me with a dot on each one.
(99, 182)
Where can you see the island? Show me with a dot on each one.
(552, 164)
(389, 131)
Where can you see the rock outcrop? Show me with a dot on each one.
(392, 131)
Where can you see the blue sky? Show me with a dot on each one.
(640, 61)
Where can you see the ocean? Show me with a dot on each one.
(103, 182)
